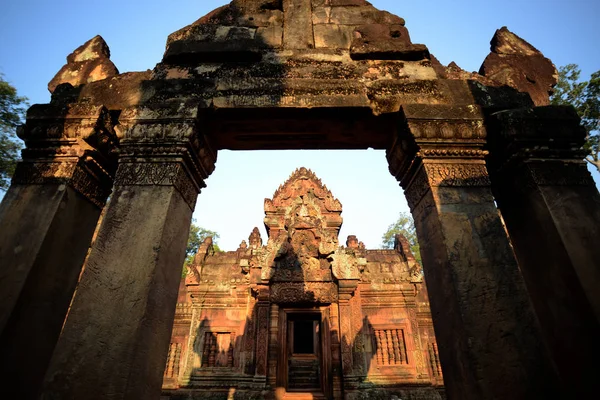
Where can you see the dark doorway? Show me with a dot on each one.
(304, 364)
(304, 353)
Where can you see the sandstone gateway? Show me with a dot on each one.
(514, 318)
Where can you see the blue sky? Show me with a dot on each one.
(37, 35)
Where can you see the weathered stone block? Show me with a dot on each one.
(361, 15)
(320, 15)
(271, 36)
(88, 63)
(349, 3)
(333, 36)
(297, 28)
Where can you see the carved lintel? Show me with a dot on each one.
(49, 123)
(69, 145)
(456, 174)
(304, 292)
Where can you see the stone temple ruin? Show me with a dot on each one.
(506, 213)
(337, 314)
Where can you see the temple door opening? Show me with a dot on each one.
(304, 356)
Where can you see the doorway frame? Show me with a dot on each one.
(325, 350)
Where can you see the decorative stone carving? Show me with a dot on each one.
(161, 146)
(262, 339)
(308, 292)
(70, 145)
(345, 265)
(254, 239)
(158, 174)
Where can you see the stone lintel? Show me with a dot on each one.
(388, 50)
(48, 122)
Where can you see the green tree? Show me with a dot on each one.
(12, 111)
(195, 239)
(406, 226)
(585, 97)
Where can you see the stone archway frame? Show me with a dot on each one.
(282, 75)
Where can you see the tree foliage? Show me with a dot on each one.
(12, 111)
(585, 97)
(195, 239)
(406, 226)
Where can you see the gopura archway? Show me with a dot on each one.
(260, 74)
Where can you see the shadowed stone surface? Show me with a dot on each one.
(485, 325)
(552, 210)
(48, 217)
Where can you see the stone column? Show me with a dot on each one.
(347, 287)
(116, 337)
(47, 220)
(552, 211)
(273, 345)
(335, 350)
(489, 338)
(262, 334)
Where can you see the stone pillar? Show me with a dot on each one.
(335, 350)
(489, 338)
(116, 337)
(273, 345)
(47, 220)
(347, 287)
(262, 334)
(552, 211)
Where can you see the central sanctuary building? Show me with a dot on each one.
(302, 317)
